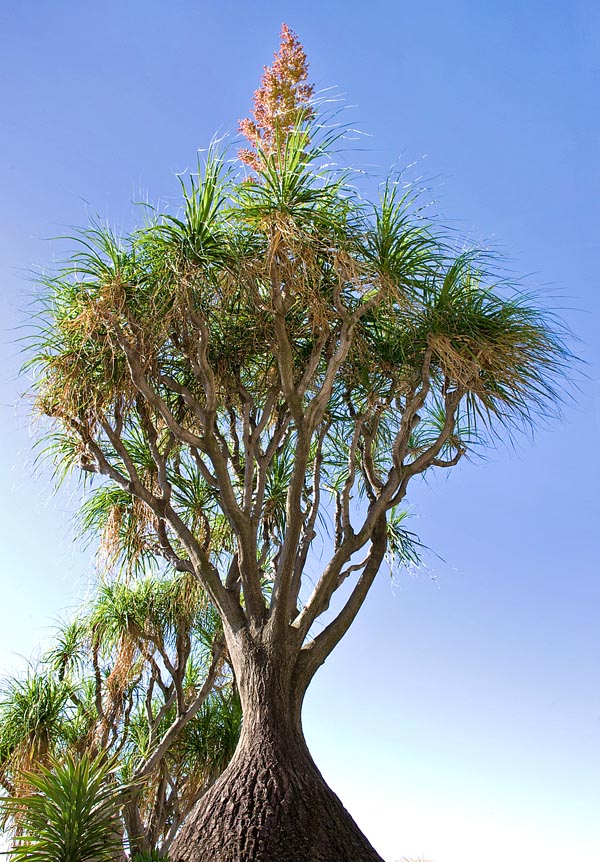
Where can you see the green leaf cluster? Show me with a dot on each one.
(72, 814)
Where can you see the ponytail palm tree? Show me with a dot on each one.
(34, 716)
(139, 677)
(160, 675)
(280, 355)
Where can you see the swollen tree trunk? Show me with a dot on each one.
(271, 804)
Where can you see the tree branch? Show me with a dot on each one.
(313, 654)
(171, 734)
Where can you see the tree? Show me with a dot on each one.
(35, 713)
(137, 679)
(280, 353)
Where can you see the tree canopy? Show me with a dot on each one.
(278, 343)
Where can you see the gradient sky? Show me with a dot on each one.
(460, 718)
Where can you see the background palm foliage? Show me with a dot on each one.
(137, 679)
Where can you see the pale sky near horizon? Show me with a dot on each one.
(460, 718)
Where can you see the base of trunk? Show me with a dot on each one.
(271, 805)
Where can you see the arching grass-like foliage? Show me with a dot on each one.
(72, 815)
(34, 715)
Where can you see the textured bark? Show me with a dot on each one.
(139, 842)
(271, 804)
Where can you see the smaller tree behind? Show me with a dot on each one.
(137, 679)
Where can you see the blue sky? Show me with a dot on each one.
(460, 718)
